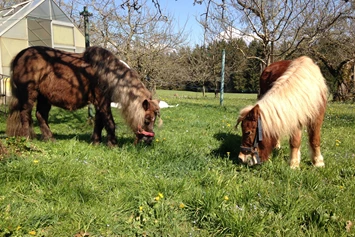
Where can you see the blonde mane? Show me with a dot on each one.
(294, 100)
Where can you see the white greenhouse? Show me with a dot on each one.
(34, 23)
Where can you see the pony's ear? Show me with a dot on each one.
(240, 118)
(243, 114)
(145, 105)
(254, 113)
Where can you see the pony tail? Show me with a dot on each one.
(13, 122)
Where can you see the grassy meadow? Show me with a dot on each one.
(187, 183)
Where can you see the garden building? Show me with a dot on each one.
(34, 23)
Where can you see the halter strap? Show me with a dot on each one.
(258, 138)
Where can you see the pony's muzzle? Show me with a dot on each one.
(141, 138)
(243, 158)
(248, 159)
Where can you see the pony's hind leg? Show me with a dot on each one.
(42, 113)
(295, 145)
(314, 135)
(25, 107)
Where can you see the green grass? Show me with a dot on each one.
(186, 184)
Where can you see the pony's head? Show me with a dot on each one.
(145, 132)
(250, 120)
(256, 144)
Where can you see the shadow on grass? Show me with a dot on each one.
(229, 143)
(87, 138)
(3, 135)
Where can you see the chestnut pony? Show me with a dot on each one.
(73, 80)
(296, 98)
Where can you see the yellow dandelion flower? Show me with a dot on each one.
(337, 144)
(226, 198)
(35, 161)
(140, 208)
(18, 228)
(32, 232)
(157, 198)
(182, 205)
(157, 140)
(228, 125)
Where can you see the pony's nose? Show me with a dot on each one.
(240, 160)
(148, 140)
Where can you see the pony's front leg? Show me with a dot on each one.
(295, 145)
(110, 127)
(98, 126)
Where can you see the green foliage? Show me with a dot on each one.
(201, 67)
(185, 184)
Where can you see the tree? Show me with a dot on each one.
(337, 53)
(287, 28)
(299, 22)
(138, 31)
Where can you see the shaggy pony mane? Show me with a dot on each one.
(121, 83)
(294, 100)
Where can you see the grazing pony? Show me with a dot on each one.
(73, 80)
(297, 98)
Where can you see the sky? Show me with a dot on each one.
(184, 12)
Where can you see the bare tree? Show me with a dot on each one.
(336, 51)
(298, 22)
(287, 28)
(138, 31)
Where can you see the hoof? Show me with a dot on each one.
(295, 167)
(111, 144)
(48, 139)
(319, 164)
(318, 161)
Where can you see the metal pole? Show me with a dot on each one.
(222, 77)
(86, 14)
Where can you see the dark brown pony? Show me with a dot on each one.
(297, 98)
(70, 81)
